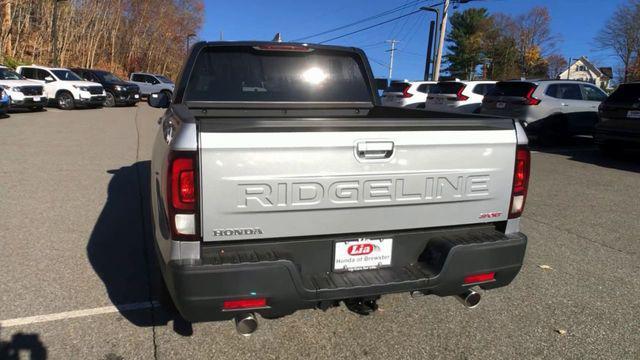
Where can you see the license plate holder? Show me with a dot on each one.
(36, 98)
(633, 114)
(362, 254)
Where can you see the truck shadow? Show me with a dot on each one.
(585, 151)
(23, 346)
(121, 251)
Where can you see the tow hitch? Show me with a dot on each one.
(362, 306)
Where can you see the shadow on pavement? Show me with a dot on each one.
(23, 346)
(122, 254)
(583, 149)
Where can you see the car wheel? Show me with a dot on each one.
(65, 101)
(553, 131)
(110, 101)
(167, 93)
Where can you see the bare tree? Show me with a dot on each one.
(557, 64)
(621, 34)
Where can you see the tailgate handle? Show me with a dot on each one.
(374, 149)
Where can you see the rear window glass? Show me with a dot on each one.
(396, 87)
(246, 74)
(519, 89)
(447, 88)
(626, 92)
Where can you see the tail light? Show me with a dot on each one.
(244, 304)
(182, 194)
(459, 96)
(529, 99)
(520, 181)
(405, 91)
(479, 278)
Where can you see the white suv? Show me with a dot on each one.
(65, 87)
(22, 93)
(458, 96)
(410, 94)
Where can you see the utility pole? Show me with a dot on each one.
(443, 30)
(392, 51)
(54, 33)
(188, 42)
(569, 69)
(430, 44)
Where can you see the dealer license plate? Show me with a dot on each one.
(633, 114)
(362, 254)
(37, 98)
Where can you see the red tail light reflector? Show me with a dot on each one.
(244, 304)
(459, 96)
(182, 195)
(183, 184)
(405, 91)
(479, 278)
(520, 181)
(529, 99)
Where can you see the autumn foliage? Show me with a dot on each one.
(116, 35)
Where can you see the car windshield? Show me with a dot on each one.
(6, 74)
(66, 75)
(164, 79)
(626, 92)
(248, 74)
(519, 89)
(447, 88)
(108, 77)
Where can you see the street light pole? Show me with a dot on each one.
(427, 67)
(443, 30)
(392, 50)
(189, 38)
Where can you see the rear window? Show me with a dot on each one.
(519, 89)
(626, 92)
(447, 88)
(396, 87)
(247, 74)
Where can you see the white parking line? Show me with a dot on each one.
(77, 313)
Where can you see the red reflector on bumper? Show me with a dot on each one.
(478, 278)
(244, 304)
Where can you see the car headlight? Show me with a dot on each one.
(81, 88)
(119, 88)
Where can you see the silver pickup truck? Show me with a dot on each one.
(279, 183)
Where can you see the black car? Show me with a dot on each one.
(619, 125)
(119, 92)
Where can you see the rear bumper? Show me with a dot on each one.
(296, 274)
(608, 135)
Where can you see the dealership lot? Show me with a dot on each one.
(77, 276)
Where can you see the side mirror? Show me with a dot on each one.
(159, 100)
(48, 79)
(382, 84)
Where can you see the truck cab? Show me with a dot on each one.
(279, 183)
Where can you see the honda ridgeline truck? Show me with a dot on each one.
(279, 183)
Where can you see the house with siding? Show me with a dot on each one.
(584, 70)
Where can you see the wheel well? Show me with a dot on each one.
(64, 91)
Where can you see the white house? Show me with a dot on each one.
(584, 70)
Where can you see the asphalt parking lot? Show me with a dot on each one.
(77, 277)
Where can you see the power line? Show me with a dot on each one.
(384, 13)
(370, 27)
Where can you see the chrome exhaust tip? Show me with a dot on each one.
(246, 324)
(469, 298)
(416, 294)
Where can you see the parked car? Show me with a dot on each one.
(22, 93)
(118, 91)
(409, 94)
(619, 125)
(4, 102)
(308, 193)
(64, 87)
(549, 109)
(152, 83)
(458, 96)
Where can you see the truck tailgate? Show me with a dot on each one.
(303, 182)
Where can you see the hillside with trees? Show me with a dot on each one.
(116, 35)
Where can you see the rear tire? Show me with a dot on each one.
(65, 101)
(553, 131)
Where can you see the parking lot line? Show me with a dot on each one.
(78, 313)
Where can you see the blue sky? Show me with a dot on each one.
(575, 21)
